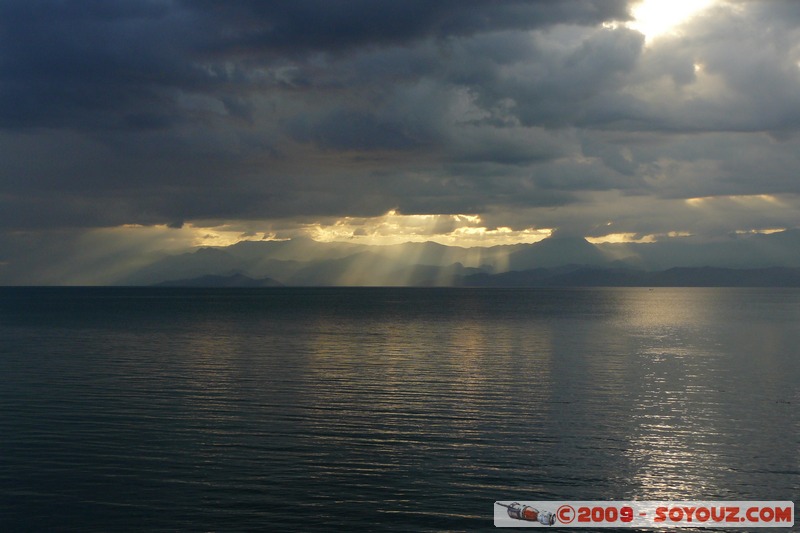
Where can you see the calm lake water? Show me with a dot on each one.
(387, 409)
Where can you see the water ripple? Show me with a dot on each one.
(386, 409)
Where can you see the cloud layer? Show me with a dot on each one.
(279, 116)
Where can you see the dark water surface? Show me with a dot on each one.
(387, 409)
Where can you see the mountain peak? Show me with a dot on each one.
(557, 250)
(214, 281)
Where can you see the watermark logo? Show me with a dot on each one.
(517, 511)
(645, 514)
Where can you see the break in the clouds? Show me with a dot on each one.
(593, 117)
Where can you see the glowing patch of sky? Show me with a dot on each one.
(617, 238)
(225, 236)
(743, 199)
(655, 18)
(396, 228)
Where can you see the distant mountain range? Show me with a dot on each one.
(749, 260)
(211, 281)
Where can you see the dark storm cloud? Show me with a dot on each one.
(88, 64)
(117, 64)
(582, 89)
(320, 25)
(354, 129)
(164, 112)
(154, 111)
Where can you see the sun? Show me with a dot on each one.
(655, 18)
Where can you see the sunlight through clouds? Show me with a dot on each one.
(226, 235)
(655, 18)
(740, 199)
(237, 124)
(396, 228)
(616, 238)
(747, 207)
(635, 238)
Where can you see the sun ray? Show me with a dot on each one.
(463, 230)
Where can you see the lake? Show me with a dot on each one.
(125, 409)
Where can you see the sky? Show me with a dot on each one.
(134, 128)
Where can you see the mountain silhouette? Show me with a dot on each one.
(559, 260)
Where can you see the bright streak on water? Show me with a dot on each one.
(387, 409)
